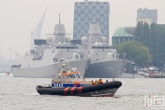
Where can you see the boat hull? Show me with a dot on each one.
(155, 76)
(105, 69)
(129, 75)
(99, 90)
(47, 71)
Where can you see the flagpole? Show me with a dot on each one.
(124, 55)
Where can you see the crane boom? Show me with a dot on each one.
(36, 33)
(18, 55)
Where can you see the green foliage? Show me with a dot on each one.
(145, 39)
(138, 31)
(135, 51)
(153, 37)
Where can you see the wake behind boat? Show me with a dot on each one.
(71, 83)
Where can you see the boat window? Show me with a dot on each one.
(71, 76)
(64, 77)
(59, 77)
(78, 76)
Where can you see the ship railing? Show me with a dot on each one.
(15, 65)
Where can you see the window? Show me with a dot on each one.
(71, 76)
(93, 11)
(98, 11)
(82, 7)
(86, 3)
(82, 15)
(94, 3)
(77, 75)
(86, 11)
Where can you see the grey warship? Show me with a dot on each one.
(42, 61)
(104, 58)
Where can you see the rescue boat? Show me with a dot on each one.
(72, 83)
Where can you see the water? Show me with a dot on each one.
(20, 94)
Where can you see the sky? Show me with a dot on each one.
(19, 17)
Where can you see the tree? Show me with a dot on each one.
(154, 42)
(145, 39)
(135, 51)
(160, 32)
(138, 31)
(153, 37)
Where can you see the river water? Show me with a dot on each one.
(20, 94)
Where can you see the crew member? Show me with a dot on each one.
(106, 80)
(96, 82)
(100, 81)
(92, 83)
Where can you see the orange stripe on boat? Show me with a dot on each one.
(73, 88)
(66, 89)
(80, 88)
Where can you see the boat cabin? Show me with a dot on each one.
(66, 78)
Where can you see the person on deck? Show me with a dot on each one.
(96, 82)
(100, 81)
(92, 83)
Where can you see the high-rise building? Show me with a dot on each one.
(147, 13)
(84, 15)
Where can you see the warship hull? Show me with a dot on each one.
(105, 69)
(48, 70)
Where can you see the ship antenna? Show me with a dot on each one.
(59, 19)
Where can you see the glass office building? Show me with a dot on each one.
(85, 13)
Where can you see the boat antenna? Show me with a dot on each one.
(59, 19)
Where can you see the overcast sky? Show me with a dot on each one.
(19, 17)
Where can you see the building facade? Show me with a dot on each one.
(85, 13)
(147, 13)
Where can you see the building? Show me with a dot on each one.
(123, 34)
(144, 20)
(147, 13)
(85, 13)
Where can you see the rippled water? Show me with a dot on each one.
(20, 94)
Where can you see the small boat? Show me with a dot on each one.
(157, 76)
(8, 73)
(71, 83)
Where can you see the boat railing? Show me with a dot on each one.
(46, 85)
